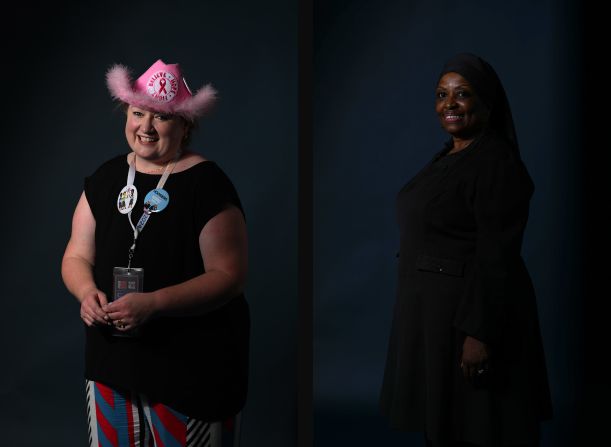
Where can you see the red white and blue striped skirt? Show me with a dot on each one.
(125, 419)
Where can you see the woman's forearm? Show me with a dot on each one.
(198, 295)
(77, 274)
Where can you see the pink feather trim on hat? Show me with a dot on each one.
(182, 103)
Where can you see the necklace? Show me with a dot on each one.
(160, 168)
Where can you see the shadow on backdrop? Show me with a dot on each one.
(375, 70)
(62, 124)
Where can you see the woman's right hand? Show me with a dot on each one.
(474, 359)
(91, 308)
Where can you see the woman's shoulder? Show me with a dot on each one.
(212, 184)
(113, 163)
(497, 160)
(201, 167)
(206, 176)
(111, 166)
(103, 179)
(202, 171)
(494, 148)
(493, 156)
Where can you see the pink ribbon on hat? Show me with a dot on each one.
(183, 103)
(162, 86)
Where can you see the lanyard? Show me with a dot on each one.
(155, 201)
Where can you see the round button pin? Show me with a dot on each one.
(127, 199)
(156, 200)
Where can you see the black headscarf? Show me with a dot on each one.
(489, 90)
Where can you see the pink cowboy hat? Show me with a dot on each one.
(161, 88)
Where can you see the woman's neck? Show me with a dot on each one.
(156, 166)
(459, 144)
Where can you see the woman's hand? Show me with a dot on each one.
(474, 360)
(91, 308)
(131, 310)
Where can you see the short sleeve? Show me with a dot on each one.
(90, 194)
(500, 204)
(97, 186)
(214, 192)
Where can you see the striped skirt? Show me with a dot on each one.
(125, 419)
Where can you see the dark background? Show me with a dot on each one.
(60, 124)
(375, 70)
(593, 405)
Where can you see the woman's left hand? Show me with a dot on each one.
(474, 360)
(131, 310)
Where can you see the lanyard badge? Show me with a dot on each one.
(129, 279)
(154, 202)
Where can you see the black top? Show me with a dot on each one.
(460, 272)
(197, 365)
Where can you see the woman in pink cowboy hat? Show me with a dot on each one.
(160, 279)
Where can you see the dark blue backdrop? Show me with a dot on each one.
(60, 124)
(375, 69)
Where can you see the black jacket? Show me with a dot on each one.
(460, 273)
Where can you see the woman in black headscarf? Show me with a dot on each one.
(465, 362)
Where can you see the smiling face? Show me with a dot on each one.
(460, 111)
(154, 136)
